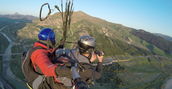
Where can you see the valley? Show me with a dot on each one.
(130, 61)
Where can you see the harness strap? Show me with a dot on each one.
(28, 86)
(38, 81)
(79, 65)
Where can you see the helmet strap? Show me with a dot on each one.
(47, 43)
(82, 51)
(90, 55)
(50, 44)
(43, 42)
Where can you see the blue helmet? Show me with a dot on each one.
(47, 34)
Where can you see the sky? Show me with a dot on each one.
(151, 15)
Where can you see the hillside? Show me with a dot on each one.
(164, 36)
(158, 41)
(120, 39)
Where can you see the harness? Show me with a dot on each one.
(32, 77)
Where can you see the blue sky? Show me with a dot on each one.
(151, 15)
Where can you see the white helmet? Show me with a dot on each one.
(85, 43)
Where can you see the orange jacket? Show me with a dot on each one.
(41, 60)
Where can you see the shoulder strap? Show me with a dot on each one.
(79, 64)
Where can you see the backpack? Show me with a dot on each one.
(27, 68)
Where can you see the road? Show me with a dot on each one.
(4, 84)
(1, 84)
(2, 28)
(7, 73)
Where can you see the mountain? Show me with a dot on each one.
(164, 36)
(158, 41)
(113, 39)
(9, 24)
(17, 16)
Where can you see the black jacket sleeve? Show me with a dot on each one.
(91, 72)
(99, 67)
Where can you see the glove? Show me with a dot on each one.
(80, 84)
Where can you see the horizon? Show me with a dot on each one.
(154, 16)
